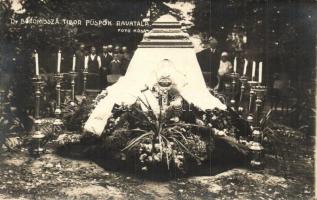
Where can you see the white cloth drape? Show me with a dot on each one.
(144, 70)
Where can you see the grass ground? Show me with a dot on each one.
(288, 174)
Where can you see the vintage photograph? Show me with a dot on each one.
(157, 99)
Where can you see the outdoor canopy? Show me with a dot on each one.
(165, 51)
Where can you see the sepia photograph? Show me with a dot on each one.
(158, 99)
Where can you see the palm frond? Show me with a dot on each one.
(148, 103)
(136, 130)
(135, 141)
(166, 140)
(265, 119)
(161, 144)
(167, 156)
(180, 133)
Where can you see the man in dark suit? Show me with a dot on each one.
(118, 51)
(106, 59)
(80, 62)
(209, 60)
(115, 70)
(93, 65)
(110, 49)
(125, 59)
(80, 58)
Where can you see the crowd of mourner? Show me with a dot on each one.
(106, 67)
(103, 68)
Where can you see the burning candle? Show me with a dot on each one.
(59, 58)
(244, 39)
(235, 65)
(245, 67)
(253, 70)
(260, 72)
(36, 56)
(86, 63)
(74, 62)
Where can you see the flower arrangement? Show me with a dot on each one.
(173, 139)
(159, 141)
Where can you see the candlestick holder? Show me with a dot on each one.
(234, 77)
(243, 80)
(73, 76)
(37, 135)
(250, 117)
(256, 149)
(85, 74)
(58, 123)
(260, 91)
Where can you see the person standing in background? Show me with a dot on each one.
(80, 58)
(93, 65)
(208, 60)
(106, 59)
(126, 57)
(115, 70)
(80, 64)
(225, 67)
(110, 50)
(120, 53)
(117, 50)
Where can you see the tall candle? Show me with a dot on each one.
(260, 72)
(244, 39)
(37, 71)
(245, 67)
(253, 70)
(74, 62)
(235, 65)
(86, 62)
(59, 58)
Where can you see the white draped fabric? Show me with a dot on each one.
(145, 68)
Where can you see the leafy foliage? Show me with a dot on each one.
(75, 115)
(11, 127)
(279, 33)
(303, 114)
